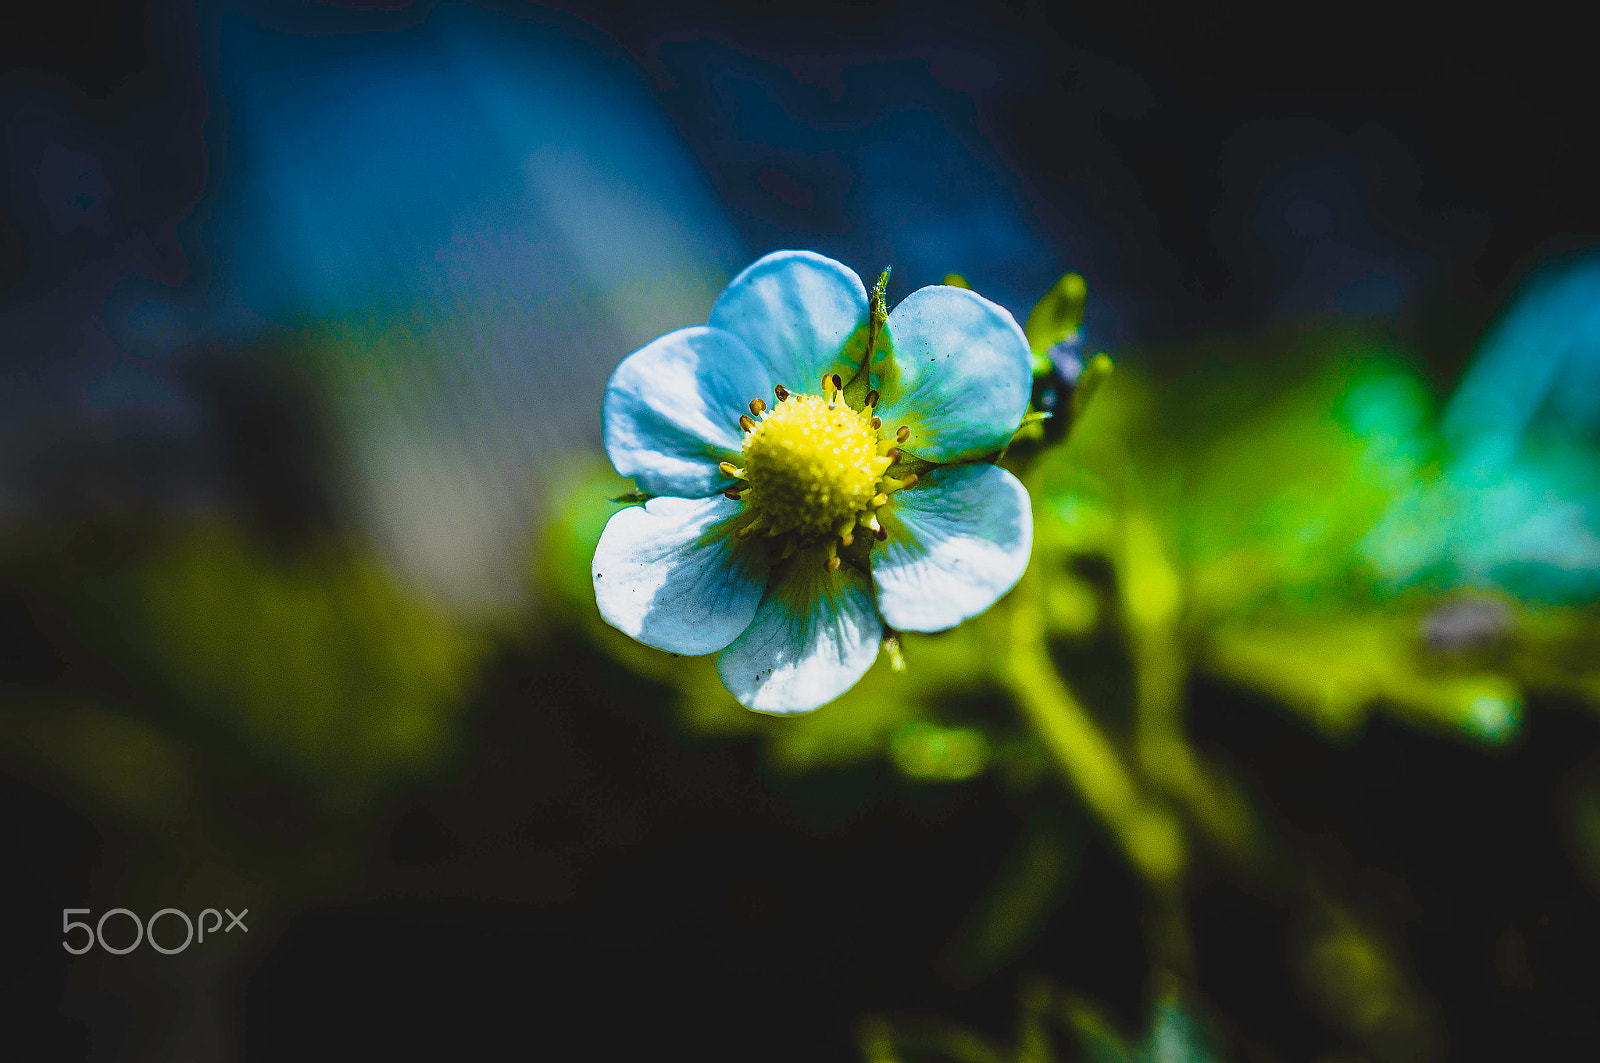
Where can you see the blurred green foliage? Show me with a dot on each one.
(1236, 523)
(1227, 519)
(1295, 516)
(1051, 1026)
(247, 703)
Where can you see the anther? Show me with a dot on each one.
(879, 499)
(909, 481)
(893, 455)
(736, 496)
(877, 423)
(756, 406)
(746, 422)
(730, 470)
(827, 383)
(902, 434)
(881, 534)
(833, 563)
(872, 398)
(838, 382)
(780, 391)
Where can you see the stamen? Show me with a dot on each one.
(872, 398)
(877, 423)
(879, 500)
(881, 534)
(902, 434)
(813, 469)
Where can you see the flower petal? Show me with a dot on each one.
(796, 310)
(960, 377)
(671, 410)
(815, 635)
(957, 542)
(669, 574)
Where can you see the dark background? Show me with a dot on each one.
(582, 878)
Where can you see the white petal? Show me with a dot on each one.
(796, 310)
(670, 574)
(671, 411)
(957, 542)
(961, 375)
(814, 636)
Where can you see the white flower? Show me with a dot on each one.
(787, 534)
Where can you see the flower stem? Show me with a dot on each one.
(1148, 833)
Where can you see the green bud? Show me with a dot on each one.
(1057, 315)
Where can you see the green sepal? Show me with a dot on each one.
(910, 463)
(893, 650)
(856, 388)
(1028, 432)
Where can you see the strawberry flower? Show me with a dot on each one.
(819, 470)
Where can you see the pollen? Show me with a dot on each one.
(811, 466)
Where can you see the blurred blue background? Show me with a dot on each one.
(307, 309)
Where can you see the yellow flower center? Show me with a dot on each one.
(815, 469)
(812, 465)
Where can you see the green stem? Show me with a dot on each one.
(1149, 834)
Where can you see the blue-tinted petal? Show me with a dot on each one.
(960, 376)
(669, 574)
(957, 542)
(671, 410)
(814, 636)
(796, 310)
